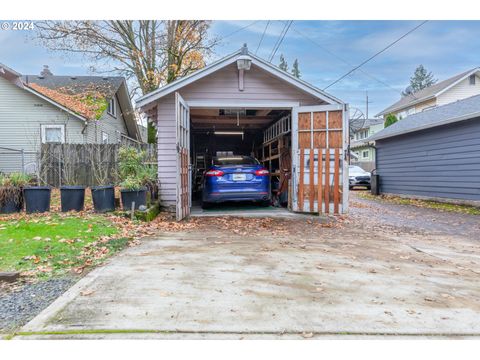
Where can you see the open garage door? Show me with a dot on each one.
(318, 166)
(182, 113)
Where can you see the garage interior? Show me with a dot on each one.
(262, 133)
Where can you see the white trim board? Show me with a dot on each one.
(242, 104)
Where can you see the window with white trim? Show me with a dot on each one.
(472, 79)
(112, 110)
(53, 134)
(365, 154)
(104, 137)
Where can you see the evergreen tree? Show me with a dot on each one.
(296, 70)
(421, 79)
(390, 120)
(283, 63)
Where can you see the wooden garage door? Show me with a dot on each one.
(182, 113)
(318, 141)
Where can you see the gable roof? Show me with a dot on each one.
(230, 59)
(65, 92)
(87, 96)
(428, 93)
(446, 114)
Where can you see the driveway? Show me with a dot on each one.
(383, 270)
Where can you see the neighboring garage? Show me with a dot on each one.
(433, 154)
(243, 105)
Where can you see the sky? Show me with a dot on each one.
(326, 50)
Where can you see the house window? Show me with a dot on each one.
(472, 79)
(365, 154)
(104, 137)
(111, 107)
(53, 134)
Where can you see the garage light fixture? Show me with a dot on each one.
(244, 62)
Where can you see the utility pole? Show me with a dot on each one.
(366, 104)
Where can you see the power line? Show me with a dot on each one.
(345, 61)
(282, 36)
(261, 39)
(276, 42)
(242, 28)
(377, 53)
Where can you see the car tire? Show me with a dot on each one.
(206, 205)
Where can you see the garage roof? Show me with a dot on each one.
(230, 59)
(460, 110)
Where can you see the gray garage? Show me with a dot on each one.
(433, 154)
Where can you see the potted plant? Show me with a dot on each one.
(11, 192)
(72, 195)
(103, 194)
(36, 197)
(131, 172)
(133, 193)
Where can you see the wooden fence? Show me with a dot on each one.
(85, 164)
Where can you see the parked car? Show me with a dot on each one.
(236, 178)
(358, 177)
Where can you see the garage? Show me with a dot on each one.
(240, 106)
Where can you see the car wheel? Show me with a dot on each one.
(206, 205)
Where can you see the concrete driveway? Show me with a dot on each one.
(362, 275)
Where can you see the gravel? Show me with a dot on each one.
(24, 302)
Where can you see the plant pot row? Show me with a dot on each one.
(37, 199)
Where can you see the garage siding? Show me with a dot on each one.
(222, 85)
(441, 162)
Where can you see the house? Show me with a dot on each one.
(361, 147)
(458, 87)
(36, 109)
(244, 105)
(433, 154)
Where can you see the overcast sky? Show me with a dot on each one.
(325, 49)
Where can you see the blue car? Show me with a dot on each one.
(236, 178)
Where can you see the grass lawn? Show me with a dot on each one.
(53, 244)
(441, 206)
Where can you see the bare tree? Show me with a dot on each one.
(149, 52)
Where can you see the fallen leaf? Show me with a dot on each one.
(307, 335)
(86, 292)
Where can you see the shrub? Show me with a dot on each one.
(130, 162)
(390, 120)
(132, 183)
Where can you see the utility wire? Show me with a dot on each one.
(263, 35)
(346, 62)
(377, 53)
(280, 40)
(242, 28)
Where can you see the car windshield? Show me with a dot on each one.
(356, 169)
(234, 160)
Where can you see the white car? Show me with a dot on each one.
(358, 177)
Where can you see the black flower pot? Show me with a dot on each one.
(13, 201)
(37, 199)
(72, 197)
(129, 196)
(103, 198)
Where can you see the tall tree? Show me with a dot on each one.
(296, 70)
(149, 53)
(421, 79)
(283, 63)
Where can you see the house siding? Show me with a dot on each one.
(222, 85)
(460, 91)
(21, 116)
(440, 162)
(113, 126)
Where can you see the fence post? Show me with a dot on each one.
(23, 161)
